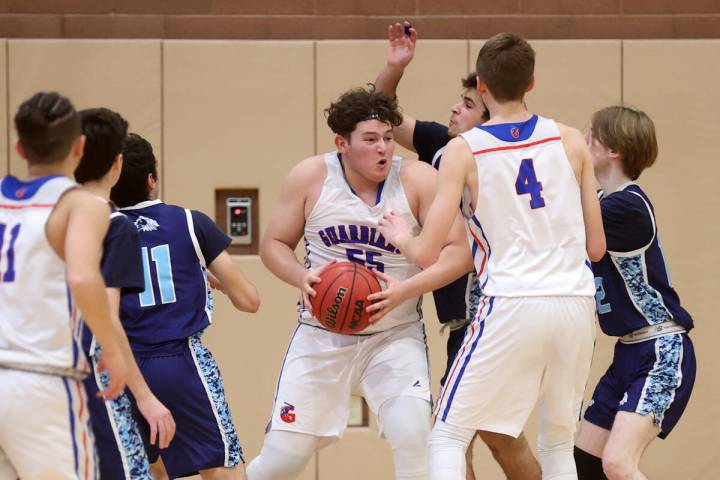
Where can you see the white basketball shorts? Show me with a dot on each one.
(322, 369)
(517, 352)
(45, 431)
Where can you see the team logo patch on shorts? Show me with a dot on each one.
(286, 413)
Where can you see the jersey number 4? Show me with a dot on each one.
(527, 183)
(9, 263)
(161, 257)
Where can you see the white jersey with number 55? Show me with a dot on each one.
(526, 233)
(342, 227)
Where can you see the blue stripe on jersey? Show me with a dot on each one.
(512, 132)
(467, 360)
(72, 425)
(644, 297)
(72, 332)
(379, 192)
(664, 379)
(16, 189)
(484, 272)
(482, 232)
(209, 373)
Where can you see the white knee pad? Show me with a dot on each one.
(405, 423)
(283, 456)
(448, 445)
(557, 459)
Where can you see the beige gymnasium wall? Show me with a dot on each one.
(241, 113)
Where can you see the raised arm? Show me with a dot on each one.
(401, 50)
(581, 161)
(424, 249)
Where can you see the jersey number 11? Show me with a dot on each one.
(161, 257)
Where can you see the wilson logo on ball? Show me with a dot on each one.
(332, 310)
(341, 297)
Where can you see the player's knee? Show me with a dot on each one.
(448, 445)
(406, 423)
(589, 467)
(618, 466)
(283, 456)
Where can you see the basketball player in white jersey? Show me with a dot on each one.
(335, 201)
(533, 219)
(51, 237)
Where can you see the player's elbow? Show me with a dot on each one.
(425, 258)
(82, 280)
(248, 302)
(596, 250)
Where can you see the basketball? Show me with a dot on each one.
(342, 297)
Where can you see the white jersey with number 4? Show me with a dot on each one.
(344, 228)
(39, 325)
(526, 232)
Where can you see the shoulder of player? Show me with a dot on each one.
(120, 223)
(414, 168)
(571, 137)
(457, 150)
(78, 198)
(627, 204)
(307, 169)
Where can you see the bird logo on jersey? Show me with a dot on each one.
(286, 413)
(145, 224)
(515, 132)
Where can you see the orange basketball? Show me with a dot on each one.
(342, 297)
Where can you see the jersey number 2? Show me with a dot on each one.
(9, 275)
(161, 256)
(527, 183)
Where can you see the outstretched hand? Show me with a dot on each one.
(386, 300)
(312, 277)
(401, 48)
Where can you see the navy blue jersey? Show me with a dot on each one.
(633, 283)
(429, 140)
(176, 246)
(457, 300)
(120, 265)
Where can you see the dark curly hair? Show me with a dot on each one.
(358, 105)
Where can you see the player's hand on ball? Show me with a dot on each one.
(159, 418)
(384, 301)
(312, 277)
(394, 228)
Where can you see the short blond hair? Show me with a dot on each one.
(631, 133)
